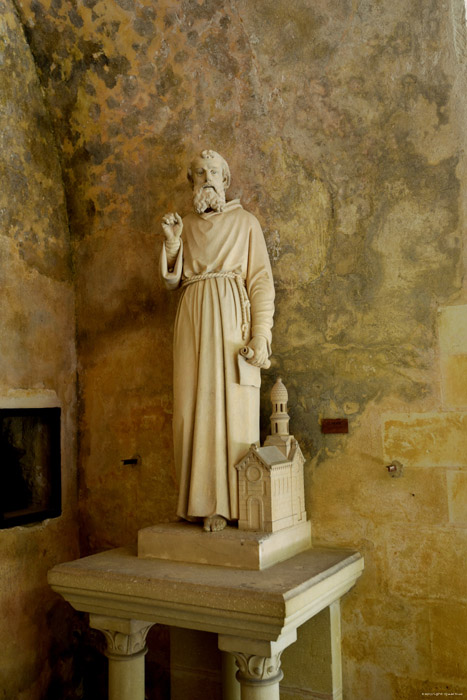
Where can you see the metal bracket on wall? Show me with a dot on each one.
(395, 469)
(134, 461)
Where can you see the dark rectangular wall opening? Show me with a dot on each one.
(30, 470)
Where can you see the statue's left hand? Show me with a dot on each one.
(259, 345)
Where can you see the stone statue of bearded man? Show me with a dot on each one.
(218, 256)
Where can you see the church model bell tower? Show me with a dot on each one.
(279, 419)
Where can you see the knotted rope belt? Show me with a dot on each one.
(240, 282)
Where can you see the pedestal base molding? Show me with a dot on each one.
(238, 549)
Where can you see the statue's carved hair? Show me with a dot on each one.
(206, 155)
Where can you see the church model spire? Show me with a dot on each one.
(279, 417)
(280, 436)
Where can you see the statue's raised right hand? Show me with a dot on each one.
(172, 227)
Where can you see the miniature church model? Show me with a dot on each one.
(270, 478)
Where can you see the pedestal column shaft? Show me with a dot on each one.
(126, 677)
(260, 691)
(230, 685)
(126, 649)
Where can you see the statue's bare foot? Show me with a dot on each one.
(214, 523)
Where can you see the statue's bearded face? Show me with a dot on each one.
(208, 185)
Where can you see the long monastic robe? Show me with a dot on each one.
(216, 418)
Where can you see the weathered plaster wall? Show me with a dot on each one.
(343, 123)
(37, 365)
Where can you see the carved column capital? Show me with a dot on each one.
(258, 669)
(121, 644)
(124, 637)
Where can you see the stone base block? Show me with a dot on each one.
(230, 547)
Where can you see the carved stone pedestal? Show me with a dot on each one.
(254, 613)
(239, 549)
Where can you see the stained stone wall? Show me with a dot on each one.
(343, 123)
(37, 367)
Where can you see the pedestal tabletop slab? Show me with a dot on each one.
(253, 604)
(240, 549)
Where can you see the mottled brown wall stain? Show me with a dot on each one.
(37, 355)
(128, 112)
(339, 121)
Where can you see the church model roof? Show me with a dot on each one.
(270, 456)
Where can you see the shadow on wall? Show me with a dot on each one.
(82, 669)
